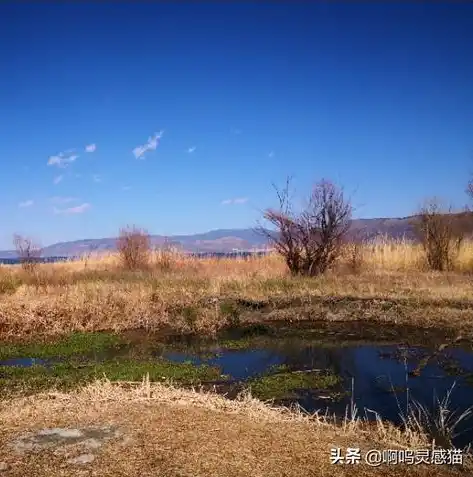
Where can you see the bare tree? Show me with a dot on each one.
(441, 233)
(323, 226)
(133, 245)
(310, 241)
(285, 238)
(28, 252)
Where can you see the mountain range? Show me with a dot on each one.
(221, 240)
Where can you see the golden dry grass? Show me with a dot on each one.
(189, 294)
(174, 432)
(382, 254)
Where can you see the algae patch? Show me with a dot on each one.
(75, 344)
(68, 375)
(283, 383)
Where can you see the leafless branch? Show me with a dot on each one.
(28, 252)
(134, 247)
(310, 241)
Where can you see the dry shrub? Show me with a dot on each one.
(441, 234)
(310, 241)
(28, 252)
(133, 245)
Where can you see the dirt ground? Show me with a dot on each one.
(164, 431)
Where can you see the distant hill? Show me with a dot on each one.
(395, 228)
(221, 240)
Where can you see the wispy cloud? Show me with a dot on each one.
(96, 178)
(150, 145)
(63, 159)
(58, 179)
(236, 131)
(26, 203)
(62, 200)
(191, 149)
(238, 200)
(91, 148)
(271, 154)
(126, 188)
(80, 209)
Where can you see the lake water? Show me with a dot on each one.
(244, 254)
(16, 261)
(380, 376)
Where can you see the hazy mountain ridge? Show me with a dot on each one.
(221, 240)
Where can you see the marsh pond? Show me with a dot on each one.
(319, 368)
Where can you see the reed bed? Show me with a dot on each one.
(382, 254)
(389, 283)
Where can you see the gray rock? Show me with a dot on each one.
(68, 441)
(92, 443)
(82, 459)
(66, 433)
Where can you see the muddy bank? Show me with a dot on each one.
(210, 315)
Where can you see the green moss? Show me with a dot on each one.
(74, 344)
(69, 375)
(186, 373)
(279, 368)
(285, 384)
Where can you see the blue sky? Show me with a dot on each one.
(191, 111)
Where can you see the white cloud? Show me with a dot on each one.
(238, 200)
(63, 159)
(80, 209)
(26, 203)
(62, 200)
(191, 149)
(150, 145)
(58, 179)
(241, 200)
(91, 148)
(96, 178)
